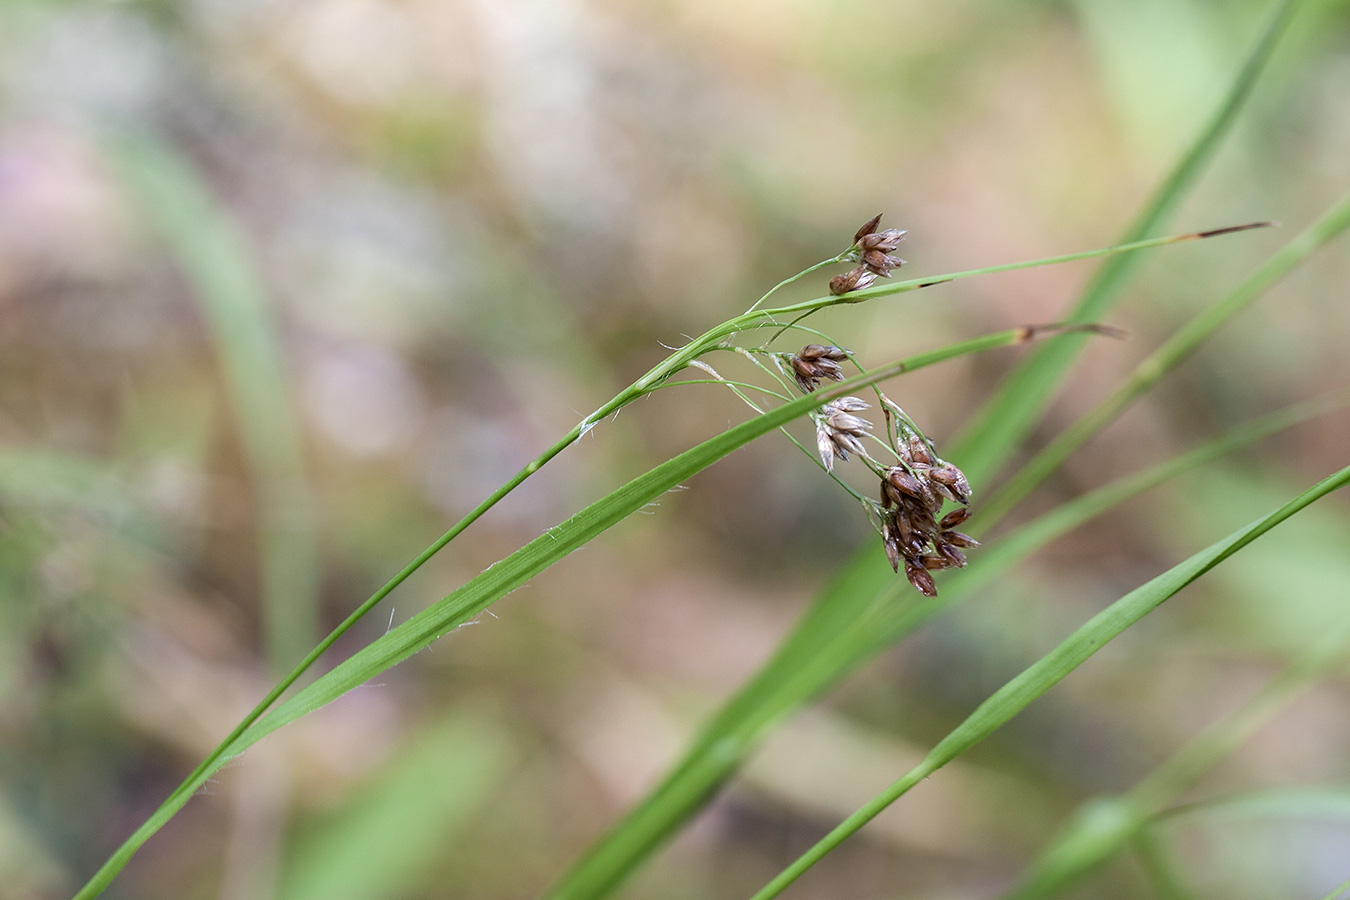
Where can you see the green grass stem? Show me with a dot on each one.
(1015, 405)
(1167, 357)
(861, 613)
(498, 580)
(1049, 670)
(1104, 827)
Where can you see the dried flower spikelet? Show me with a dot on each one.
(838, 430)
(950, 482)
(919, 577)
(899, 485)
(853, 280)
(890, 539)
(874, 247)
(814, 362)
(954, 518)
(918, 451)
(912, 496)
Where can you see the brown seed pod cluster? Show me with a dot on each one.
(912, 496)
(839, 432)
(872, 249)
(814, 362)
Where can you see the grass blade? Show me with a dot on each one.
(1018, 401)
(862, 612)
(848, 605)
(1050, 669)
(500, 579)
(213, 254)
(1167, 357)
(1106, 826)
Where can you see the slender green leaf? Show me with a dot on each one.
(1163, 360)
(1018, 401)
(500, 579)
(1105, 826)
(1338, 891)
(1049, 670)
(213, 253)
(858, 616)
(840, 632)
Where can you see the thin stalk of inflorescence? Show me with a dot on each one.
(715, 338)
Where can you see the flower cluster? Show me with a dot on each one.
(914, 489)
(839, 432)
(872, 249)
(912, 496)
(814, 362)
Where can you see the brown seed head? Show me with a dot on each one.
(838, 430)
(890, 539)
(885, 241)
(957, 539)
(878, 262)
(814, 362)
(950, 482)
(853, 280)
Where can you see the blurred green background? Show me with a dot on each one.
(288, 287)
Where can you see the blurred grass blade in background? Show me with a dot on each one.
(1104, 827)
(1050, 669)
(389, 838)
(213, 254)
(1167, 357)
(998, 430)
(839, 633)
(1163, 360)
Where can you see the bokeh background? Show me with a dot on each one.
(287, 286)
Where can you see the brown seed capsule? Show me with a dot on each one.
(878, 262)
(918, 451)
(954, 518)
(890, 539)
(935, 563)
(814, 362)
(906, 483)
(853, 280)
(868, 227)
(951, 554)
(957, 539)
(884, 241)
(951, 482)
(919, 577)
(822, 351)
